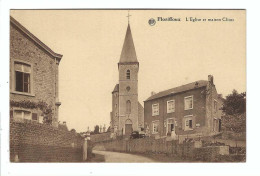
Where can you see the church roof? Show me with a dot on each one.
(183, 88)
(116, 89)
(128, 54)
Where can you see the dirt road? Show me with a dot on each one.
(116, 157)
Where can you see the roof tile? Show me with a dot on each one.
(183, 88)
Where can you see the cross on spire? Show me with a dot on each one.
(128, 16)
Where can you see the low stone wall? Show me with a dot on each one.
(192, 150)
(149, 145)
(100, 137)
(34, 142)
(209, 153)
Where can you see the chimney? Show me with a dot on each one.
(210, 79)
(153, 93)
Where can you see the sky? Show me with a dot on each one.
(170, 54)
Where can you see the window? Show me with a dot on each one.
(22, 77)
(34, 117)
(170, 106)
(23, 114)
(20, 114)
(188, 123)
(128, 106)
(128, 74)
(215, 105)
(155, 109)
(155, 126)
(188, 103)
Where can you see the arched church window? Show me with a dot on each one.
(128, 106)
(128, 74)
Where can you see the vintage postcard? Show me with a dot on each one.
(127, 86)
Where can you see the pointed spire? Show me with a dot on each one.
(128, 16)
(128, 52)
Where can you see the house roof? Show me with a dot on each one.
(35, 39)
(175, 90)
(116, 89)
(128, 54)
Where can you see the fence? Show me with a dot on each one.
(34, 142)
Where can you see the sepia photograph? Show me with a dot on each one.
(127, 86)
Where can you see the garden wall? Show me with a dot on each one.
(190, 149)
(35, 142)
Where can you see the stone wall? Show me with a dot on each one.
(34, 142)
(100, 137)
(189, 149)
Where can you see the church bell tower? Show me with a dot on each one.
(128, 68)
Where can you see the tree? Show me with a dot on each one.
(96, 129)
(234, 107)
(73, 130)
(235, 123)
(235, 103)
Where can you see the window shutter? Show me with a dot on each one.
(187, 122)
(34, 116)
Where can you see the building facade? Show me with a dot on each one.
(185, 110)
(127, 112)
(34, 73)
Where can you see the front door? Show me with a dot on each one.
(170, 126)
(128, 129)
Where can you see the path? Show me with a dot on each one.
(116, 157)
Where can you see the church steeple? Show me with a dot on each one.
(128, 54)
(125, 99)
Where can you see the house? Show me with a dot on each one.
(34, 76)
(191, 109)
(127, 112)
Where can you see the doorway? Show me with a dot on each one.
(170, 126)
(128, 127)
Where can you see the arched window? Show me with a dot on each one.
(128, 74)
(128, 106)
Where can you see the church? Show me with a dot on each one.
(127, 113)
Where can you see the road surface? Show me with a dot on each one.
(116, 157)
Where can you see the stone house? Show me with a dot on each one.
(191, 109)
(34, 73)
